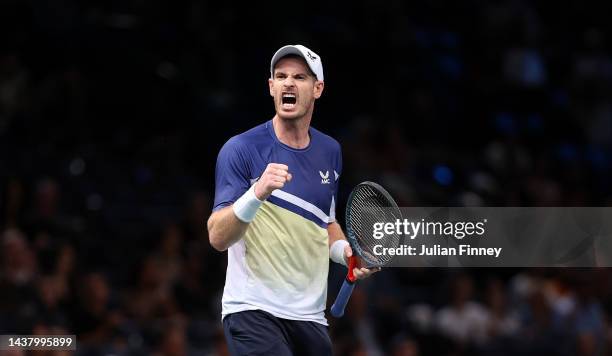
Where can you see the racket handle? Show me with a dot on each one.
(352, 265)
(337, 309)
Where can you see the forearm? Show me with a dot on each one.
(337, 250)
(228, 225)
(340, 251)
(225, 229)
(335, 233)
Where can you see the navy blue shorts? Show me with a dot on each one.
(257, 332)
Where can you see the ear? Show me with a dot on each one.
(318, 89)
(271, 85)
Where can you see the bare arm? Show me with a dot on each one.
(335, 233)
(224, 228)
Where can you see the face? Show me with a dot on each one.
(294, 88)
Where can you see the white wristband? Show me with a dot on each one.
(336, 251)
(247, 205)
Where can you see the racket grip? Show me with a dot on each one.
(337, 309)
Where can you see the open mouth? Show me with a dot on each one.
(288, 100)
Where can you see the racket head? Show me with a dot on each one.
(367, 204)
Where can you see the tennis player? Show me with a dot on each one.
(274, 211)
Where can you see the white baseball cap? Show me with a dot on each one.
(312, 59)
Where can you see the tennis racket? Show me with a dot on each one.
(368, 203)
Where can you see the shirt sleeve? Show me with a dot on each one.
(231, 174)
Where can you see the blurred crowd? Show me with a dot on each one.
(112, 113)
(156, 294)
(478, 312)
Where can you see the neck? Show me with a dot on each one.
(292, 132)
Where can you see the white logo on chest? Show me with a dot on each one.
(324, 177)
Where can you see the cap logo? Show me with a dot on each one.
(311, 56)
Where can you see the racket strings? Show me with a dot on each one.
(369, 206)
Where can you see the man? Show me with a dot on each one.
(274, 209)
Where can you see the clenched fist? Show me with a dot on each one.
(274, 177)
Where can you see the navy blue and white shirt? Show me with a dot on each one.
(281, 264)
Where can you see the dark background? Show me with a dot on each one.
(112, 114)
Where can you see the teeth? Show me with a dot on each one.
(288, 95)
